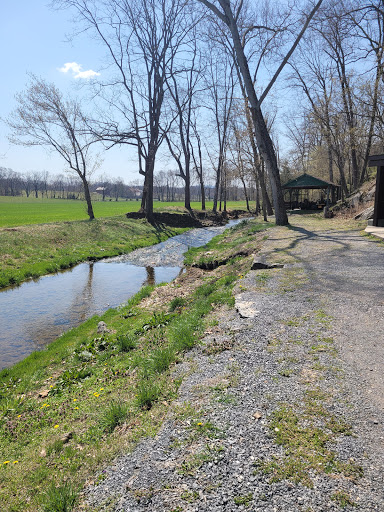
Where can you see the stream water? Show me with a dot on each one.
(35, 313)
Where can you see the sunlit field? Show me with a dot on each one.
(18, 211)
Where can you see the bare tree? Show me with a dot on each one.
(141, 38)
(230, 16)
(220, 86)
(197, 156)
(182, 84)
(45, 118)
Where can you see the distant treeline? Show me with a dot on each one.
(167, 187)
(43, 184)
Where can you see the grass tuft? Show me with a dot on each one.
(148, 392)
(126, 343)
(115, 414)
(60, 499)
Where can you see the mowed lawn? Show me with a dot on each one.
(19, 211)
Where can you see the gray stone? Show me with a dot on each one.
(246, 308)
(259, 264)
(102, 328)
(366, 214)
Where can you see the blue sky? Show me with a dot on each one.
(33, 40)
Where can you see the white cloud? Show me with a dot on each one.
(76, 70)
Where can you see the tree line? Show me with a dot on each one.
(62, 186)
(167, 188)
(190, 81)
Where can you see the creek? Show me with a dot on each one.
(36, 312)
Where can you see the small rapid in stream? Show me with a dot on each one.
(36, 312)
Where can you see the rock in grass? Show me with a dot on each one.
(259, 264)
(246, 308)
(102, 328)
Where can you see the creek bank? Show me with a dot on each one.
(79, 382)
(194, 219)
(29, 252)
(35, 313)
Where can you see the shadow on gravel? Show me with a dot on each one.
(311, 235)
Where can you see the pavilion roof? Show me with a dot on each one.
(307, 181)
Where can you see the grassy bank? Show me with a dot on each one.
(19, 211)
(70, 409)
(32, 251)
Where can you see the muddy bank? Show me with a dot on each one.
(194, 220)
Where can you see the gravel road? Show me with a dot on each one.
(312, 344)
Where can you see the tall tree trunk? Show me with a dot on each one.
(202, 192)
(88, 200)
(263, 138)
(257, 192)
(379, 75)
(245, 192)
(259, 167)
(149, 171)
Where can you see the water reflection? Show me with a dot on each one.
(150, 276)
(35, 313)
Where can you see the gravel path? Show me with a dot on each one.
(312, 346)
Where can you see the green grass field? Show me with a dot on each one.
(19, 211)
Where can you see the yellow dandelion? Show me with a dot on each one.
(7, 461)
(56, 426)
(76, 407)
(96, 394)
(199, 424)
(19, 416)
(75, 399)
(15, 461)
(51, 386)
(101, 389)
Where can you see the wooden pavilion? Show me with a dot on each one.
(378, 213)
(328, 193)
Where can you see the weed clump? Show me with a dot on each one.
(176, 303)
(148, 392)
(115, 414)
(60, 499)
(126, 343)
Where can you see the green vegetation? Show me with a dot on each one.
(32, 251)
(243, 500)
(241, 240)
(59, 499)
(343, 499)
(307, 430)
(20, 211)
(72, 407)
(306, 444)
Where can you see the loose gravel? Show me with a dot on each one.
(317, 325)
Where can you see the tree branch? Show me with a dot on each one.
(215, 10)
(287, 57)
